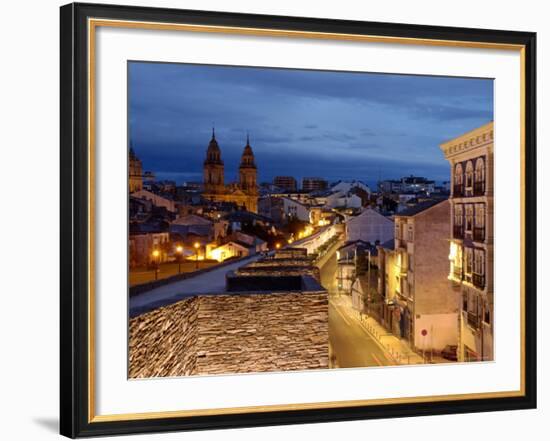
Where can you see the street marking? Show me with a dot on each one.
(376, 359)
(341, 314)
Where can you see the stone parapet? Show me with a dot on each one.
(231, 333)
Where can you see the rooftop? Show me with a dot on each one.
(420, 207)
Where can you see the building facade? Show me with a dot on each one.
(370, 226)
(243, 193)
(425, 306)
(471, 245)
(287, 183)
(314, 184)
(135, 172)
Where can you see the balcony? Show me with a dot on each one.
(479, 234)
(472, 320)
(458, 231)
(458, 190)
(479, 281)
(479, 188)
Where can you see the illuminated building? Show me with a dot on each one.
(471, 245)
(245, 192)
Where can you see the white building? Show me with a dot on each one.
(342, 199)
(295, 209)
(346, 186)
(369, 226)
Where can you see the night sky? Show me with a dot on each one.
(337, 125)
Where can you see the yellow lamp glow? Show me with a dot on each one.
(179, 249)
(156, 253)
(453, 251)
(197, 245)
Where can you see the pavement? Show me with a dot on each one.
(212, 282)
(396, 349)
(140, 276)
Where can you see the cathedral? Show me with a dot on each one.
(243, 193)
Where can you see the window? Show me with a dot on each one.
(487, 316)
(458, 213)
(469, 217)
(480, 170)
(480, 216)
(479, 262)
(469, 260)
(469, 174)
(458, 174)
(410, 235)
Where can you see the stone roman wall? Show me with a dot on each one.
(220, 334)
(161, 341)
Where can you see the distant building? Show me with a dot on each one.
(198, 225)
(417, 184)
(343, 199)
(135, 172)
(347, 186)
(407, 184)
(272, 207)
(228, 250)
(295, 209)
(471, 246)
(142, 245)
(314, 184)
(389, 186)
(301, 196)
(287, 183)
(156, 199)
(243, 193)
(369, 226)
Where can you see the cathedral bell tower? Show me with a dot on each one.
(213, 168)
(247, 170)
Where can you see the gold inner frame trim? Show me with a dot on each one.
(92, 25)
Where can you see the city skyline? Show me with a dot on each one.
(340, 125)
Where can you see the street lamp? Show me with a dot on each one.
(197, 245)
(277, 245)
(156, 261)
(179, 253)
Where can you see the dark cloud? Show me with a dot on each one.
(334, 124)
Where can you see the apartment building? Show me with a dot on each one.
(471, 244)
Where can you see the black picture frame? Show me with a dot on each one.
(74, 324)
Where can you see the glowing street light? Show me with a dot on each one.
(277, 245)
(179, 255)
(156, 261)
(197, 245)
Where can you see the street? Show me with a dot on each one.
(351, 345)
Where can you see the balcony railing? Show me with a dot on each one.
(458, 231)
(479, 281)
(479, 188)
(473, 320)
(479, 234)
(458, 190)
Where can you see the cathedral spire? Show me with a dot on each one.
(213, 131)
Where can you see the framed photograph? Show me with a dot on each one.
(275, 220)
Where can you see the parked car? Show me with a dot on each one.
(449, 352)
